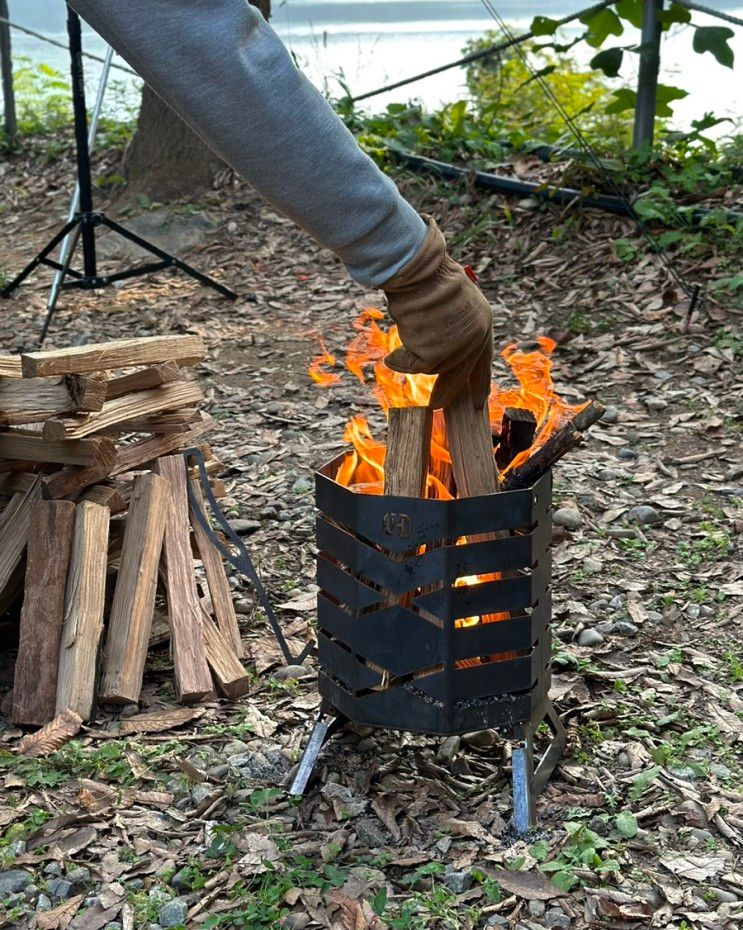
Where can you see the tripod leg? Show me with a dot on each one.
(68, 250)
(165, 256)
(32, 265)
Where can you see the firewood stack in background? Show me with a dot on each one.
(94, 515)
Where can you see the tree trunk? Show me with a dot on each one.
(165, 159)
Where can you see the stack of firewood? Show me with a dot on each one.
(95, 514)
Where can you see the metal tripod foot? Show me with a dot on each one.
(327, 723)
(527, 783)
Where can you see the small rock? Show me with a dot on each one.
(626, 454)
(481, 739)
(174, 913)
(556, 918)
(645, 514)
(684, 772)
(497, 921)
(93, 900)
(13, 882)
(60, 888)
(182, 880)
(15, 849)
(53, 869)
(719, 770)
(537, 908)
(589, 637)
(624, 628)
(610, 415)
(246, 527)
(449, 748)
(694, 814)
(201, 792)
(621, 532)
(592, 565)
(568, 517)
(114, 925)
(616, 603)
(654, 615)
(44, 903)
(243, 607)
(78, 877)
(726, 897)
(31, 892)
(458, 882)
(292, 672)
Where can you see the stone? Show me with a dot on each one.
(60, 888)
(173, 913)
(592, 565)
(610, 415)
(449, 748)
(654, 615)
(624, 628)
(616, 603)
(114, 925)
(537, 908)
(554, 917)
(78, 877)
(497, 921)
(645, 514)
(201, 792)
(31, 892)
(53, 869)
(458, 882)
(181, 880)
(627, 455)
(726, 897)
(568, 517)
(13, 882)
(589, 637)
(246, 527)
(480, 739)
(44, 903)
(292, 672)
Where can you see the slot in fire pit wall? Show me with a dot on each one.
(401, 638)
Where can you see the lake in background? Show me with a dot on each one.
(374, 43)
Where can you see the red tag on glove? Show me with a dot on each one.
(470, 272)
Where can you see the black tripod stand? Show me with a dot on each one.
(85, 221)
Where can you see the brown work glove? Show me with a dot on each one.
(445, 323)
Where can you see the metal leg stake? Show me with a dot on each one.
(528, 783)
(327, 723)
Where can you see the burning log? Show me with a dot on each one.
(471, 447)
(517, 434)
(565, 439)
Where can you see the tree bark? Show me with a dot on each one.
(165, 159)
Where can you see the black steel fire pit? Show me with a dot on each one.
(392, 649)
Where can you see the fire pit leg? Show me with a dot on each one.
(328, 721)
(528, 783)
(524, 791)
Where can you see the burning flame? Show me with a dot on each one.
(363, 469)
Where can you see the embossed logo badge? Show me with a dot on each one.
(397, 524)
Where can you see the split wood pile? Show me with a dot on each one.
(95, 525)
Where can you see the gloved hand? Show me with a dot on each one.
(445, 323)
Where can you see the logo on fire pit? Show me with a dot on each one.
(397, 524)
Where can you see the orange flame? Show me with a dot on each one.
(363, 469)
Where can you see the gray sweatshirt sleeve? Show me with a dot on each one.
(224, 70)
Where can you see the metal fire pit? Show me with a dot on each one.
(390, 654)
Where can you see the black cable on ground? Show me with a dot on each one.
(540, 191)
(477, 56)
